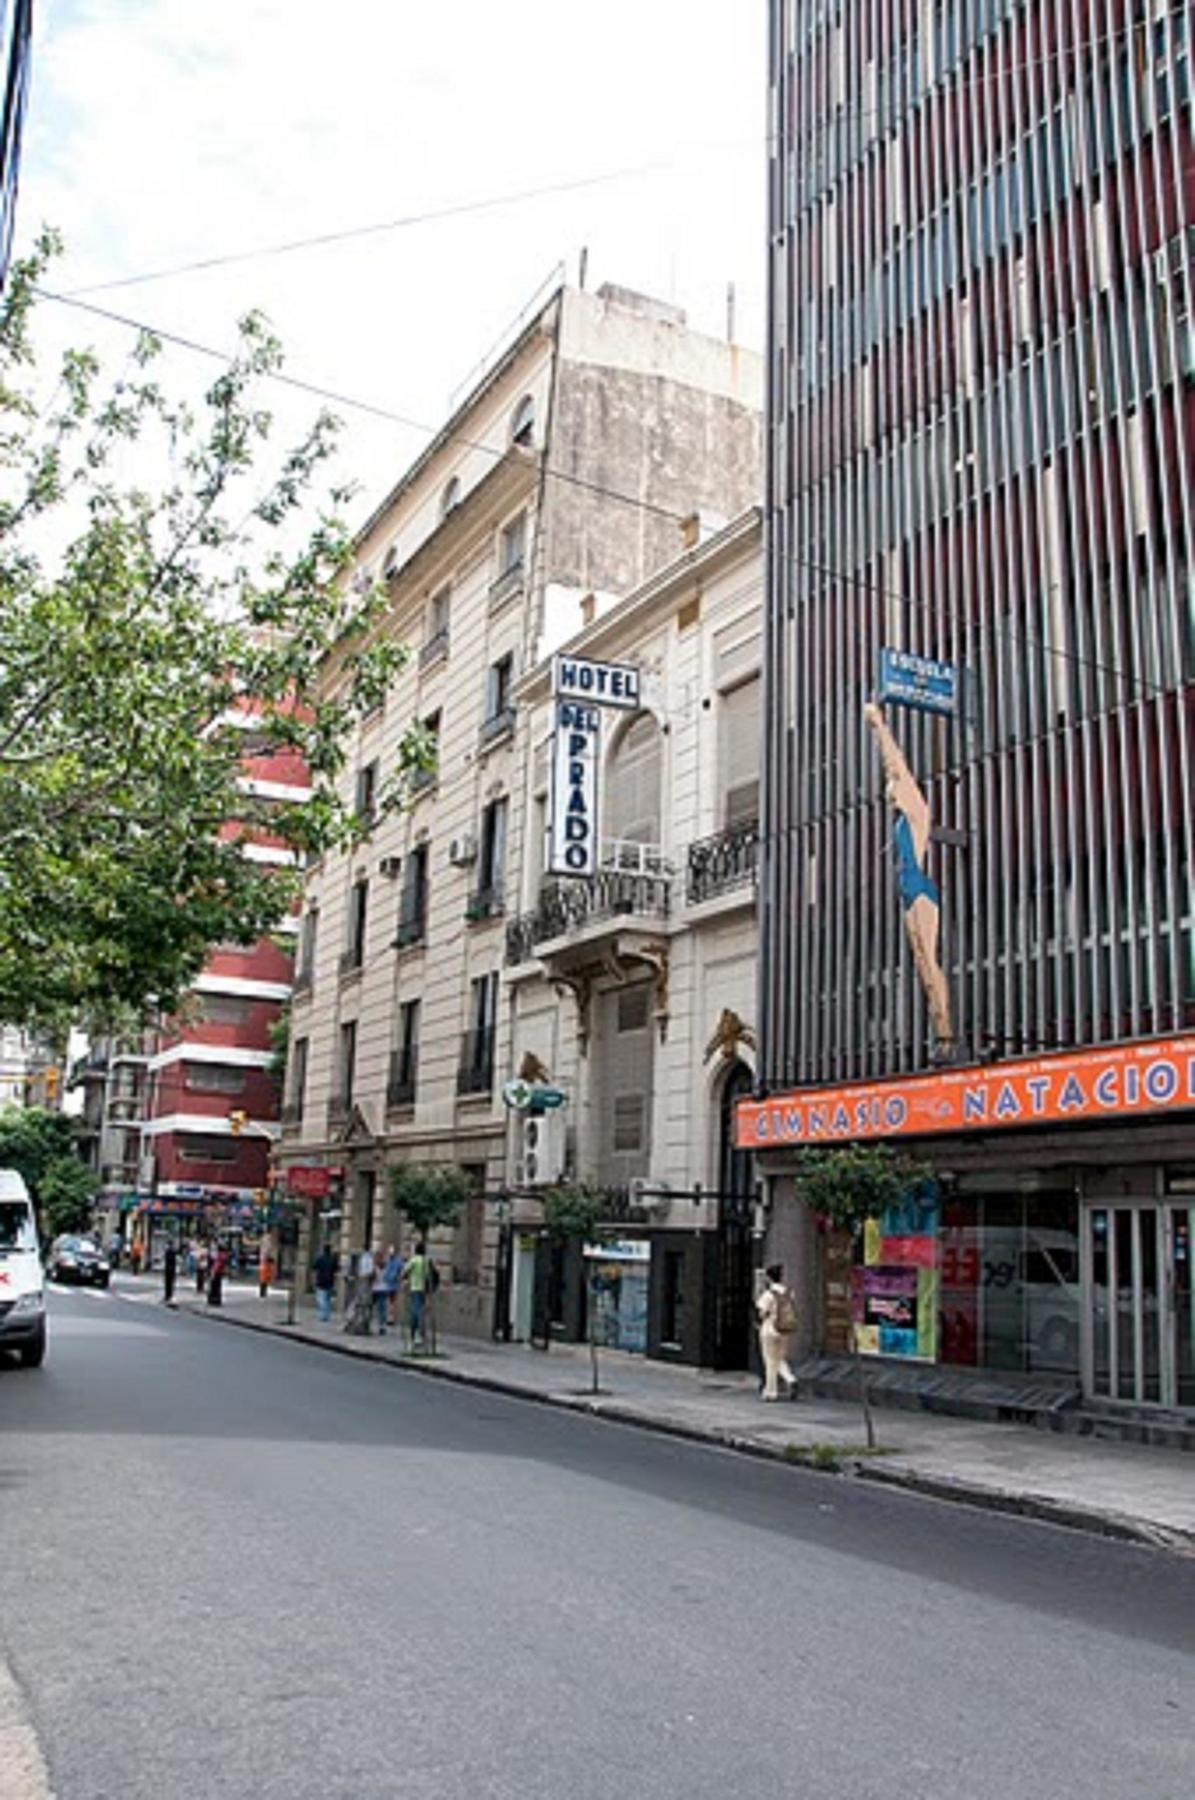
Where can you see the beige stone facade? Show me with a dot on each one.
(556, 487)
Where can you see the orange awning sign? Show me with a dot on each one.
(1074, 1087)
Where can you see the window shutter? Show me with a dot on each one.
(739, 753)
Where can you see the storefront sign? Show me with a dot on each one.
(637, 1250)
(919, 681)
(1078, 1087)
(597, 683)
(310, 1183)
(573, 828)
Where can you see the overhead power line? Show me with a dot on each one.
(844, 578)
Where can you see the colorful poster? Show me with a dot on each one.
(894, 1289)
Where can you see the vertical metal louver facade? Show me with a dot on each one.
(981, 421)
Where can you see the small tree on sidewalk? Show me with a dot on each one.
(847, 1186)
(430, 1197)
(573, 1214)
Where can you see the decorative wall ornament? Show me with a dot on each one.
(731, 1035)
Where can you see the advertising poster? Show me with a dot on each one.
(894, 1290)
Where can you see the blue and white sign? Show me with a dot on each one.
(573, 830)
(596, 683)
(920, 682)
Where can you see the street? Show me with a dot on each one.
(234, 1566)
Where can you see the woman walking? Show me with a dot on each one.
(777, 1314)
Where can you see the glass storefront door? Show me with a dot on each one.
(1140, 1310)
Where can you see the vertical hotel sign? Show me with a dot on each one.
(580, 688)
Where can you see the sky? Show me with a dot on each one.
(161, 132)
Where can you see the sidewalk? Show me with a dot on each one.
(1117, 1490)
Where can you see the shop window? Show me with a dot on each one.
(1010, 1291)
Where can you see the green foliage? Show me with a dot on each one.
(573, 1213)
(134, 622)
(40, 1145)
(65, 1195)
(852, 1183)
(430, 1195)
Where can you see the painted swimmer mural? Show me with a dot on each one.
(919, 893)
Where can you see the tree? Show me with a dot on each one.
(430, 1196)
(41, 1146)
(139, 630)
(573, 1214)
(848, 1185)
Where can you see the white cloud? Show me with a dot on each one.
(160, 132)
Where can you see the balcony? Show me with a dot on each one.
(404, 1075)
(435, 650)
(475, 1074)
(506, 586)
(568, 908)
(485, 902)
(410, 932)
(350, 962)
(497, 728)
(119, 1175)
(723, 862)
(126, 1109)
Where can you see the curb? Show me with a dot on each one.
(1040, 1508)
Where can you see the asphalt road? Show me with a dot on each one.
(233, 1566)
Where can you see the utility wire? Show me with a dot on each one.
(981, 627)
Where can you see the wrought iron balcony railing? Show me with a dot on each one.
(566, 907)
(506, 585)
(485, 902)
(435, 650)
(499, 725)
(404, 1076)
(475, 1074)
(725, 861)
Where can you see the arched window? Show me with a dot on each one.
(450, 497)
(632, 798)
(522, 423)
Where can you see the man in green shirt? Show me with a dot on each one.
(418, 1278)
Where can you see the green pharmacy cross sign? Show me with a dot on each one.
(531, 1097)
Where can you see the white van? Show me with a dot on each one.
(22, 1290)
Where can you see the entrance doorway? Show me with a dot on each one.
(1139, 1316)
(733, 1338)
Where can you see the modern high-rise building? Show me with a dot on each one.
(978, 858)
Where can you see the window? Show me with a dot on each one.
(451, 497)
(412, 902)
(476, 1072)
(438, 612)
(207, 1149)
(367, 791)
(633, 784)
(224, 1009)
(738, 753)
(298, 1076)
(348, 1062)
(512, 545)
(629, 1113)
(522, 424)
(354, 950)
(308, 931)
(491, 862)
(498, 685)
(215, 1078)
(404, 1062)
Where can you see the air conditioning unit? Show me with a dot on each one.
(389, 866)
(544, 1142)
(462, 850)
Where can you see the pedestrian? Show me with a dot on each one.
(169, 1273)
(215, 1279)
(202, 1265)
(265, 1267)
(135, 1256)
(381, 1290)
(777, 1313)
(394, 1268)
(327, 1267)
(418, 1278)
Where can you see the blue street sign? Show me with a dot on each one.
(920, 682)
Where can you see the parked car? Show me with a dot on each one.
(22, 1296)
(79, 1260)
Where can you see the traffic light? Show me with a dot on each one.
(237, 1121)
